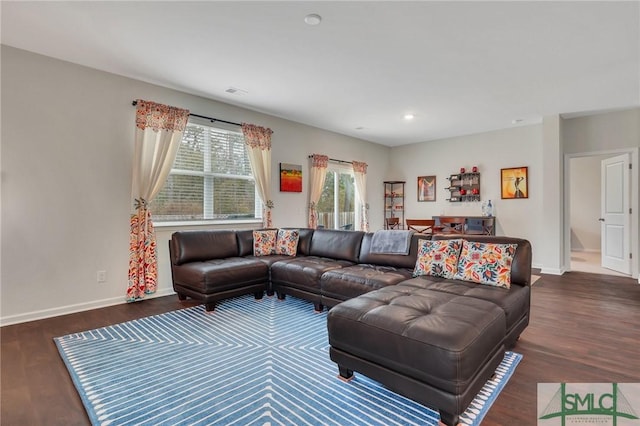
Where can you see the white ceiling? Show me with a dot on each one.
(460, 67)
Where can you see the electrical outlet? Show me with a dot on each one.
(102, 276)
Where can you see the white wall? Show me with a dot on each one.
(67, 143)
(490, 152)
(601, 132)
(67, 139)
(552, 218)
(584, 193)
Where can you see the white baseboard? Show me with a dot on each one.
(72, 309)
(553, 271)
(584, 250)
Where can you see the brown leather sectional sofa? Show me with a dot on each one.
(213, 265)
(432, 339)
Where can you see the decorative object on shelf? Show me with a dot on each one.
(514, 182)
(290, 177)
(426, 188)
(464, 186)
(487, 209)
(394, 204)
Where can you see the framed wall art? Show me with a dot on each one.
(514, 182)
(290, 177)
(426, 188)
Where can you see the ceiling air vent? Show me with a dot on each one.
(236, 91)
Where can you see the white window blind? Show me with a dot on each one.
(210, 180)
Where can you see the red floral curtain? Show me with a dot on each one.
(159, 131)
(258, 141)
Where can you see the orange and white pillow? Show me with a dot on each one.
(287, 242)
(272, 241)
(438, 258)
(264, 242)
(486, 263)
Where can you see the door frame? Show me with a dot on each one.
(634, 204)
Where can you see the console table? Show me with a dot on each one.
(484, 225)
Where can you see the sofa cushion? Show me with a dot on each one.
(335, 244)
(395, 260)
(194, 246)
(486, 263)
(514, 302)
(351, 281)
(304, 240)
(217, 275)
(287, 242)
(438, 258)
(264, 242)
(245, 242)
(269, 260)
(304, 272)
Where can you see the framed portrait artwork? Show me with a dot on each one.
(426, 188)
(514, 182)
(290, 177)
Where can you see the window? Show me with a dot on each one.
(211, 178)
(338, 202)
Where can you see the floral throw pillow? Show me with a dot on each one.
(486, 263)
(438, 258)
(264, 242)
(287, 242)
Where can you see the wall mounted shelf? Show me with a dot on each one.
(464, 187)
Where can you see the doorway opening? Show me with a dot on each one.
(584, 225)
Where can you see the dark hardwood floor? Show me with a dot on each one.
(584, 328)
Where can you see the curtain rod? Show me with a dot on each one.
(213, 120)
(336, 161)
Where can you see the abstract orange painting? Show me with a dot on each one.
(290, 177)
(514, 182)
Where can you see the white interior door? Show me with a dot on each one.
(615, 215)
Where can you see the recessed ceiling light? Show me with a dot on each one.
(359, 128)
(312, 19)
(517, 121)
(409, 116)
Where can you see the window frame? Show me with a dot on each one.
(339, 168)
(208, 179)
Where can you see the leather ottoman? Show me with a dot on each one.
(434, 347)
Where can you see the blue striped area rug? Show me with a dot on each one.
(248, 363)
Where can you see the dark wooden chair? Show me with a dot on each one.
(422, 226)
(392, 223)
(451, 225)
